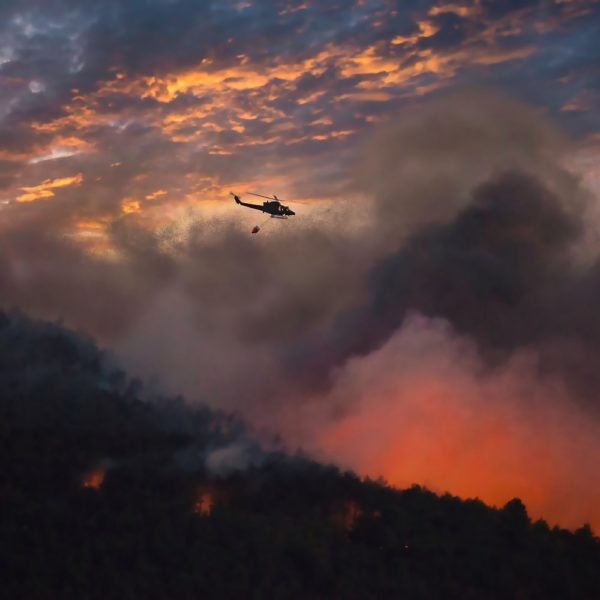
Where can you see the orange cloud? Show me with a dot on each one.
(205, 78)
(232, 97)
(494, 56)
(130, 205)
(44, 189)
(463, 10)
(156, 194)
(426, 29)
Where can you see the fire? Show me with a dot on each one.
(422, 410)
(94, 478)
(204, 503)
(447, 440)
(348, 515)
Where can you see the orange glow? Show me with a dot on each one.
(71, 141)
(498, 55)
(204, 503)
(348, 514)
(44, 189)
(90, 225)
(94, 478)
(130, 205)
(79, 115)
(580, 103)
(458, 9)
(156, 194)
(421, 411)
(332, 134)
(433, 439)
(204, 78)
(426, 29)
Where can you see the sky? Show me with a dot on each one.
(429, 313)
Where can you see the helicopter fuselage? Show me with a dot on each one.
(273, 207)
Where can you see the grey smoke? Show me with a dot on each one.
(473, 218)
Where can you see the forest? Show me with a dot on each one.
(110, 492)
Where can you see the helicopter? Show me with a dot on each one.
(272, 207)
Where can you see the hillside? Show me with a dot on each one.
(106, 495)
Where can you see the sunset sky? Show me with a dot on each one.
(117, 107)
(368, 328)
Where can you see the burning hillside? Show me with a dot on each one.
(173, 517)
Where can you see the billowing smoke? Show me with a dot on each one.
(503, 273)
(425, 407)
(55, 380)
(448, 339)
(424, 165)
(46, 273)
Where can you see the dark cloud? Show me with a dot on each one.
(8, 172)
(50, 275)
(500, 8)
(452, 30)
(560, 75)
(16, 139)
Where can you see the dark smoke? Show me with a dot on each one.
(56, 380)
(502, 273)
(48, 274)
(423, 165)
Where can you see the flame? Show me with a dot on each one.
(347, 516)
(204, 503)
(94, 478)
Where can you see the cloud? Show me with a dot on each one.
(243, 88)
(44, 189)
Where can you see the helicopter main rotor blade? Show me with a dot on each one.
(262, 196)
